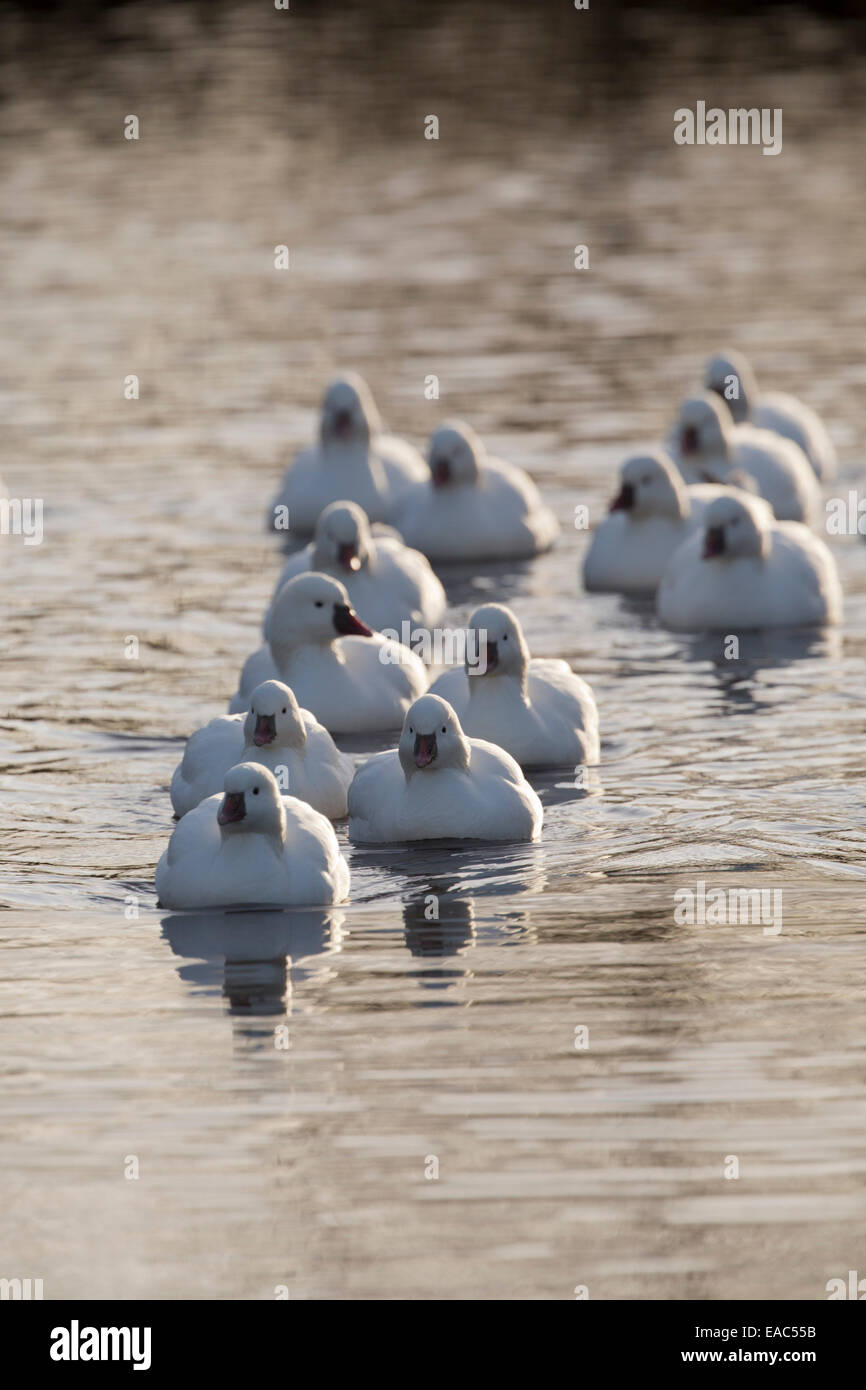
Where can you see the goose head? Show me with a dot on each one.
(455, 455)
(311, 609)
(737, 528)
(342, 541)
(251, 803)
(274, 719)
(499, 643)
(651, 486)
(730, 376)
(349, 415)
(704, 430)
(432, 739)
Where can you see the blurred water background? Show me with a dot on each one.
(154, 1035)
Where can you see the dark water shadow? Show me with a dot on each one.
(488, 868)
(248, 956)
(501, 581)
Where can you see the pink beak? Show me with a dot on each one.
(425, 749)
(347, 622)
(266, 730)
(232, 809)
(347, 557)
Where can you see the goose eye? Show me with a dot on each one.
(284, 709)
(411, 730)
(444, 729)
(255, 791)
(320, 603)
(645, 482)
(505, 636)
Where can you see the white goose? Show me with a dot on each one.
(353, 459)
(439, 784)
(538, 710)
(730, 375)
(276, 733)
(746, 570)
(252, 848)
(651, 515)
(473, 507)
(385, 580)
(351, 678)
(709, 447)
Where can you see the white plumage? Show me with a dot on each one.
(652, 514)
(538, 710)
(353, 460)
(708, 447)
(746, 570)
(279, 735)
(730, 375)
(387, 583)
(252, 847)
(439, 784)
(472, 507)
(352, 679)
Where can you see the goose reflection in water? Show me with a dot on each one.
(250, 955)
(439, 921)
(744, 663)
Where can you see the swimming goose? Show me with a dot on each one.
(353, 459)
(439, 784)
(473, 507)
(537, 709)
(746, 570)
(277, 733)
(252, 847)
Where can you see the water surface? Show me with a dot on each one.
(298, 1158)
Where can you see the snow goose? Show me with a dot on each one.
(538, 710)
(747, 570)
(473, 507)
(352, 679)
(709, 447)
(385, 580)
(252, 847)
(439, 784)
(730, 375)
(277, 733)
(353, 459)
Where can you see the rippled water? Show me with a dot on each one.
(157, 1036)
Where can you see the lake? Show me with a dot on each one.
(498, 1072)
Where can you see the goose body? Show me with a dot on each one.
(353, 460)
(352, 679)
(746, 570)
(252, 847)
(538, 710)
(439, 784)
(730, 375)
(275, 732)
(709, 447)
(472, 507)
(387, 582)
(650, 517)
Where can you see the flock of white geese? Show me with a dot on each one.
(716, 525)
